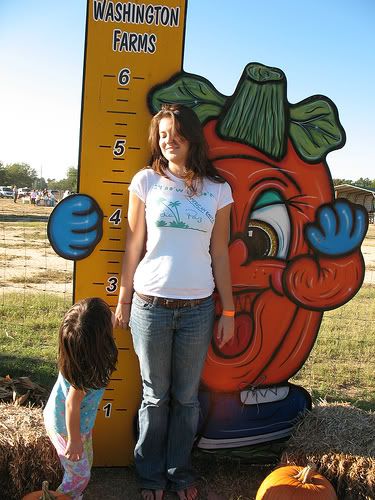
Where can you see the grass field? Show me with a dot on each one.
(340, 366)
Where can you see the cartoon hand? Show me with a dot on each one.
(75, 226)
(340, 228)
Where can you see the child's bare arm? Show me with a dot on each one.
(74, 447)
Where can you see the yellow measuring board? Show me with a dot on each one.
(130, 48)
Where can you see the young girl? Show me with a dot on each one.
(87, 356)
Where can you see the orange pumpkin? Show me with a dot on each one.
(45, 494)
(295, 482)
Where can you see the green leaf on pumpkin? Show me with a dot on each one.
(315, 128)
(192, 91)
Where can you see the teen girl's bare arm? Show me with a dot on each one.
(135, 239)
(221, 270)
(74, 446)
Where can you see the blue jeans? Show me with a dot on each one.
(171, 345)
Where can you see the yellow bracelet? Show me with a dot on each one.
(230, 314)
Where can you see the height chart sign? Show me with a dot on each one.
(130, 47)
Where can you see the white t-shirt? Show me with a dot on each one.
(177, 263)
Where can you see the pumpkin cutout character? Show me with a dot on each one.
(294, 250)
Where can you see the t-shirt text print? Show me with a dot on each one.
(177, 263)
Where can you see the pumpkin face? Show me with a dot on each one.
(278, 289)
(295, 482)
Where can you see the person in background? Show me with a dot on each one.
(180, 208)
(15, 193)
(87, 356)
(33, 197)
(52, 199)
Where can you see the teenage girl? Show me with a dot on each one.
(87, 356)
(179, 210)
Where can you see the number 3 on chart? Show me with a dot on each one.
(112, 287)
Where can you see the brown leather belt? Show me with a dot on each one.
(170, 303)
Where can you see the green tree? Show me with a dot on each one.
(20, 174)
(40, 183)
(336, 182)
(69, 182)
(72, 178)
(2, 174)
(364, 182)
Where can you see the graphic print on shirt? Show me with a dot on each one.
(172, 213)
(175, 213)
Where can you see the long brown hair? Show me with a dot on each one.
(87, 351)
(186, 124)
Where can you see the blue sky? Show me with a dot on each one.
(323, 46)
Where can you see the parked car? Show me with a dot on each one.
(23, 192)
(6, 192)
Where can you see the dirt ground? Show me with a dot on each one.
(28, 262)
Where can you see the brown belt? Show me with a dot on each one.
(170, 303)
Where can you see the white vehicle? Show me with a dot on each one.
(23, 192)
(6, 192)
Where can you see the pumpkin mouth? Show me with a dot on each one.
(243, 302)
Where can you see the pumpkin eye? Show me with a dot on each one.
(269, 228)
(263, 241)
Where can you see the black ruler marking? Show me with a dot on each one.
(115, 182)
(111, 250)
(114, 111)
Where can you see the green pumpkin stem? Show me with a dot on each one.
(256, 114)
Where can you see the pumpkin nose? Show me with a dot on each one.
(238, 252)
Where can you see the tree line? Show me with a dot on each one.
(361, 182)
(23, 175)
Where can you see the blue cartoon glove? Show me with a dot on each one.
(340, 228)
(75, 226)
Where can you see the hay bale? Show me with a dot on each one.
(340, 440)
(27, 456)
(22, 391)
